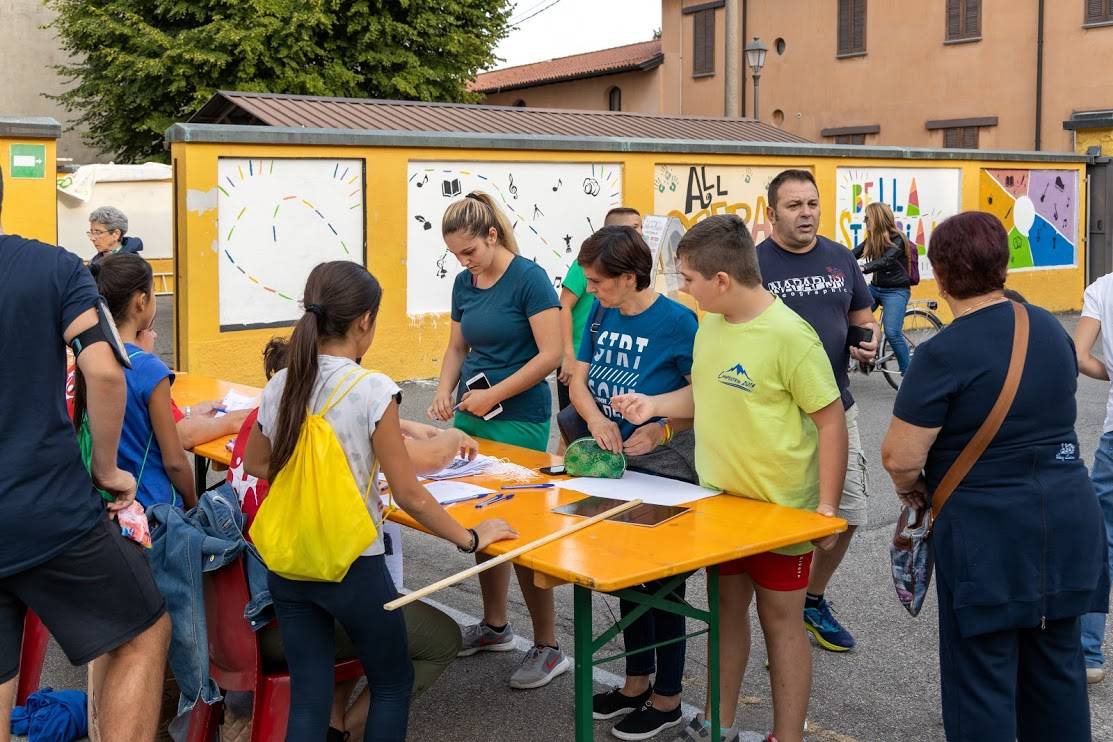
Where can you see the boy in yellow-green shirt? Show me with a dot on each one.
(769, 425)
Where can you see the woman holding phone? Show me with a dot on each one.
(504, 340)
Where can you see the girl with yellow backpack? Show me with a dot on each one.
(325, 428)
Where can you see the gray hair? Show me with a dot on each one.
(112, 219)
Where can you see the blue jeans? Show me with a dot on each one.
(307, 613)
(656, 626)
(895, 301)
(1093, 624)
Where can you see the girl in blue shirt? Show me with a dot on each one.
(149, 444)
(506, 325)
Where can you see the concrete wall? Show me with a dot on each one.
(408, 346)
(28, 73)
(641, 91)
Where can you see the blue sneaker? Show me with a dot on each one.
(828, 632)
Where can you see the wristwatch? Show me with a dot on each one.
(474, 543)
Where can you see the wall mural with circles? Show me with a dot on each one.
(1039, 209)
(552, 206)
(277, 219)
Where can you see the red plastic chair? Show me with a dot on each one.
(31, 657)
(235, 662)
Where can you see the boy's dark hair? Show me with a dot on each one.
(276, 354)
(721, 243)
(621, 211)
(614, 251)
(786, 176)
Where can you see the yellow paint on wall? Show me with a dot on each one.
(30, 207)
(409, 347)
(1086, 138)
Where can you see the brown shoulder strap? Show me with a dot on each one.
(981, 440)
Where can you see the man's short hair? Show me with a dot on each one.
(721, 243)
(621, 211)
(786, 176)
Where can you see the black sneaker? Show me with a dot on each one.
(335, 735)
(647, 722)
(612, 703)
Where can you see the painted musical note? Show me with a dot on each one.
(537, 211)
(558, 282)
(425, 223)
(568, 242)
(423, 181)
(512, 188)
(1043, 196)
(442, 272)
(590, 225)
(558, 185)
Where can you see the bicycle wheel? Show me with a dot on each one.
(919, 326)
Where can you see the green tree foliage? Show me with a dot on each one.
(141, 65)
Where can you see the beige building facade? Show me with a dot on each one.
(986, 74)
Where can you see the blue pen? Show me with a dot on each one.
(493, 500)
(544, 486)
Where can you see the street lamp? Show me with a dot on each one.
(755, 57)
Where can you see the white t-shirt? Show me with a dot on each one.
(1097, 303)
(353, 420)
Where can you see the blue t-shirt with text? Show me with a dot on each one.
(823, 286)
(647, 353)
(139, 452)
(495, 323)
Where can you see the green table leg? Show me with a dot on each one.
(584, 661)
(713, 647)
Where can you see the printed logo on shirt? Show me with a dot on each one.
(1067, 452)
(737, 377)
(834, 282)
(614, 369)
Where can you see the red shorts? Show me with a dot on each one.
(780, 572)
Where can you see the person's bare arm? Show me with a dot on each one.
(640, 408)
(604, 430)
(430, 455)
(198, 429)
(830, 423)
(453, 361)
(257, 453)
(173, 454)
(1085, 336)
(864, 318)
(903, 454)
(106, 398)
(545, 326)
(568, 302)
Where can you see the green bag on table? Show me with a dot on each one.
(585, 458)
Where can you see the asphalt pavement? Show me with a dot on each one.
(886, 689)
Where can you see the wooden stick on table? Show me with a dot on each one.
(512, 554)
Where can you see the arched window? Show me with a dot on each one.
(519, 103)
(614, 99)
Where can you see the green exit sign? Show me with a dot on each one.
(28, 161)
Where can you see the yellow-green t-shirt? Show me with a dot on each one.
(755, 384)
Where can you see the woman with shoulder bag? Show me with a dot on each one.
(889, 257)
(636, 341)
(1019, 547)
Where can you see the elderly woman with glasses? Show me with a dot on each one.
(107, 227)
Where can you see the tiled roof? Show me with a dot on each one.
(304, 111)
(644, 55)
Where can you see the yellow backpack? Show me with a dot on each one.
(314, 523)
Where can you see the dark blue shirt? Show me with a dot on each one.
(139, 452)
(495, 324)
(47, 501)
(647, 353)
(823, 286)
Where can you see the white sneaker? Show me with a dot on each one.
(1095, 675)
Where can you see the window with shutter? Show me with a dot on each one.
(852, 27)
(850, 139)
(1099, 11)
(964, 20)
(614, 99)
(703, 42)
(960, 137)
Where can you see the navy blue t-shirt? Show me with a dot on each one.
(647, 353)
(495, 324)
(47, 501)
(823, 286)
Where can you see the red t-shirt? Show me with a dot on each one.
(251, 490)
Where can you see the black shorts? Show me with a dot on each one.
(94, 597)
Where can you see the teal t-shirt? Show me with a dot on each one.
(576, 282)
(495, 324)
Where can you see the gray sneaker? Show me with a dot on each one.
(482, 638)
(539, 666)
(698, 730)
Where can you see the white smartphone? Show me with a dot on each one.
(480, 381)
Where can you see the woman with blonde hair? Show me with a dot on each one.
(505, 332)
(889, 255)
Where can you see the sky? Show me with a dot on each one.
(558, 28)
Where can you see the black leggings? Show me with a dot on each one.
(306, 612)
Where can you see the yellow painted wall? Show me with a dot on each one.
(1086, 138)
(408, 348)
(29, 203)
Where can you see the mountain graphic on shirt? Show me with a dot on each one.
(737, 377)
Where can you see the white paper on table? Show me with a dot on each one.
(637, 486)
(464, 468)
(446, 491)
(233, 401)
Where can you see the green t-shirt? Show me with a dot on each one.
(577, 284)
(755, 384)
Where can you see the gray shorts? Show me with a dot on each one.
(854, 506)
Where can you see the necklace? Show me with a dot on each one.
(982, 303)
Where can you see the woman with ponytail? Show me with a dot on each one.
(341, 303)
(506, 326)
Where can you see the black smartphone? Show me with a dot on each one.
(480, 381)
(552, 470)
(855, 336)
